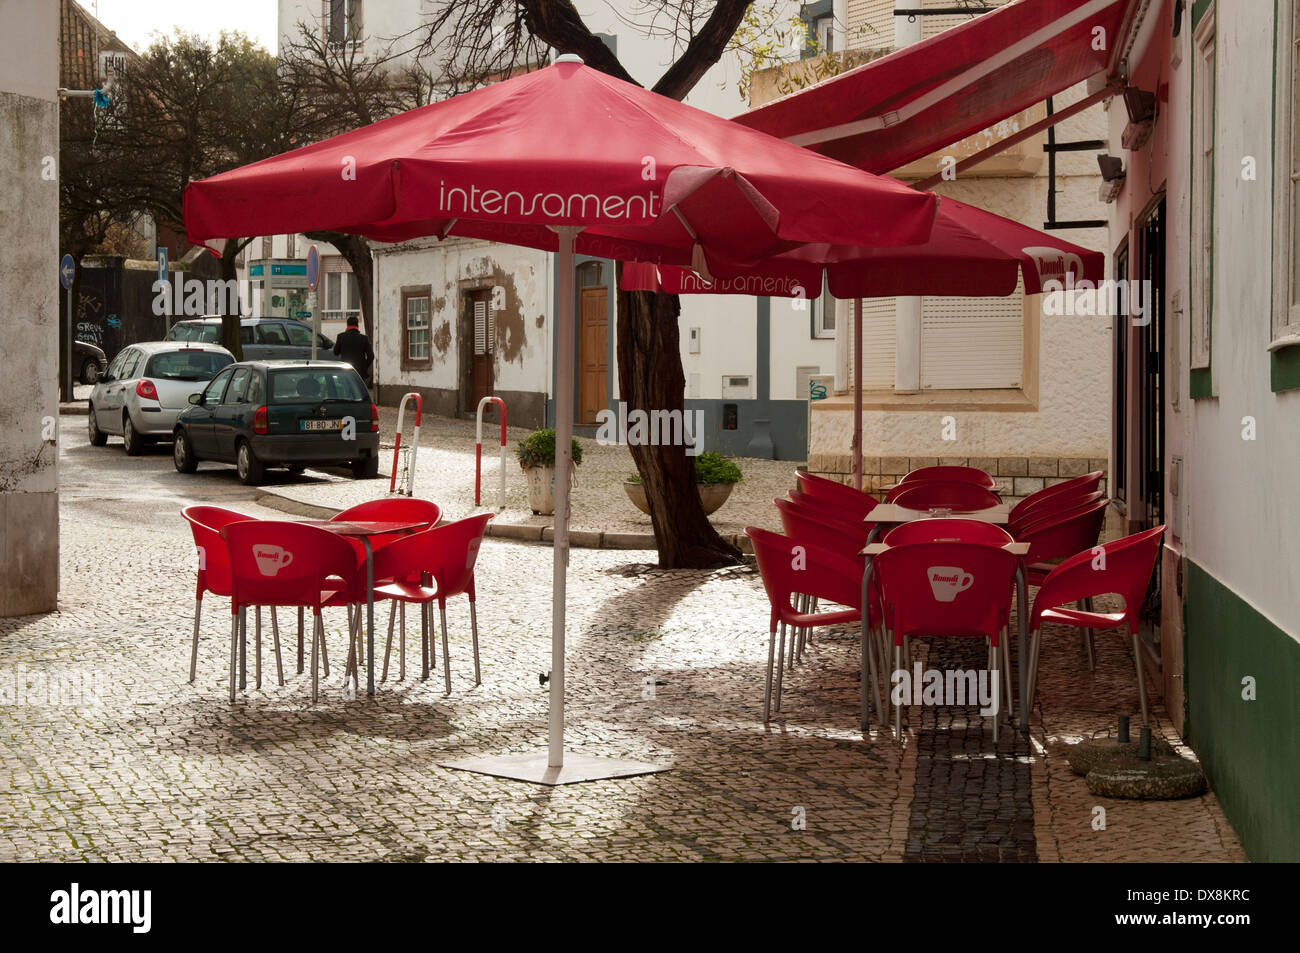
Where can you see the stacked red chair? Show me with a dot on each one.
(1122, 567)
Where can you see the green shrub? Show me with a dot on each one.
(538, 450)
(711, 467)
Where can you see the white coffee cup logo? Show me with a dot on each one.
(947, 581)
(271, 559)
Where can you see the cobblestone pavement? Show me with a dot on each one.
(148, 767)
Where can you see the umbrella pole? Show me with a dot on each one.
(857, 394)
(567, 306)
(552, 768)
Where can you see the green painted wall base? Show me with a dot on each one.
(1284, 369)
(1250, 749)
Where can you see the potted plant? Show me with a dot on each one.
(536, 454)
(715, 475)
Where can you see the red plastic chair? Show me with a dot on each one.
(831, 516)
(447, 555)
(275, 563)
(1122, 567)
(1059, 536)
(947, 530)
(958, 497)
(1079, 486)
(391, 509)
(396, 509)
(1052, 509)
(811, 571)
(951, 474)
(949, 589)
(206, 523)
(852, 502)
(803, 525)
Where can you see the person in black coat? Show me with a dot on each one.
(354, 347)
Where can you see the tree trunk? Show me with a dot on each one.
(650, 378)
(230, 322)
(356, 252)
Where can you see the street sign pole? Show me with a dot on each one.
(67, 349)
(313, 273)
(162, 276)
(67, 270)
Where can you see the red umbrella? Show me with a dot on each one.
(560, 159)
(643, 176)
(970, 252)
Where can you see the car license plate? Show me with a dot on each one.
(331, 424)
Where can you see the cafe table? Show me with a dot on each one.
(888, 515)
(365, 530)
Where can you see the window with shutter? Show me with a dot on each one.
(877, 344)
(972, 343)
(482, 326)
(966, 343)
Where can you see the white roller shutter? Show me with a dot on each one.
(877, 344)
(972, 343)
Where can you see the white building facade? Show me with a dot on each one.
(459, 320)
(996, 383)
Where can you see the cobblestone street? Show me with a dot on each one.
(663, 666)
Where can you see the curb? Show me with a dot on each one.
(294, 507)
(79, 408)
(521, 532)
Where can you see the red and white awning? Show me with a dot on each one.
(929, 95)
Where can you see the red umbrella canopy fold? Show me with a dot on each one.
(970, 252)
(644, 176)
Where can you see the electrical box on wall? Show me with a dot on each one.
(735, 387)
(693, 341)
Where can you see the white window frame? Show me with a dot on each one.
(1286, 182)
(823, 315)
(426, 327)
(347, 284)
(1204, 85)
(353, 14)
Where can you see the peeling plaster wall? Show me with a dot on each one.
(29, 313)
(521, 345)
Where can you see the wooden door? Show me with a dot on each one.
(480, 369)
(593, 353)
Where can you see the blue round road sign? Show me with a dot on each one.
(313, 267)
(67, 270)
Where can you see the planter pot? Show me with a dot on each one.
(712, 495)
(541, 490)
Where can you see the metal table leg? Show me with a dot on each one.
(1022, 633)
(868, 657)
(370, 616)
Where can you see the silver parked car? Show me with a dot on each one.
(262, 339)
(147, 386)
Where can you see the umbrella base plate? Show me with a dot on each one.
(533, 767)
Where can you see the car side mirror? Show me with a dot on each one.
(196, 398)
